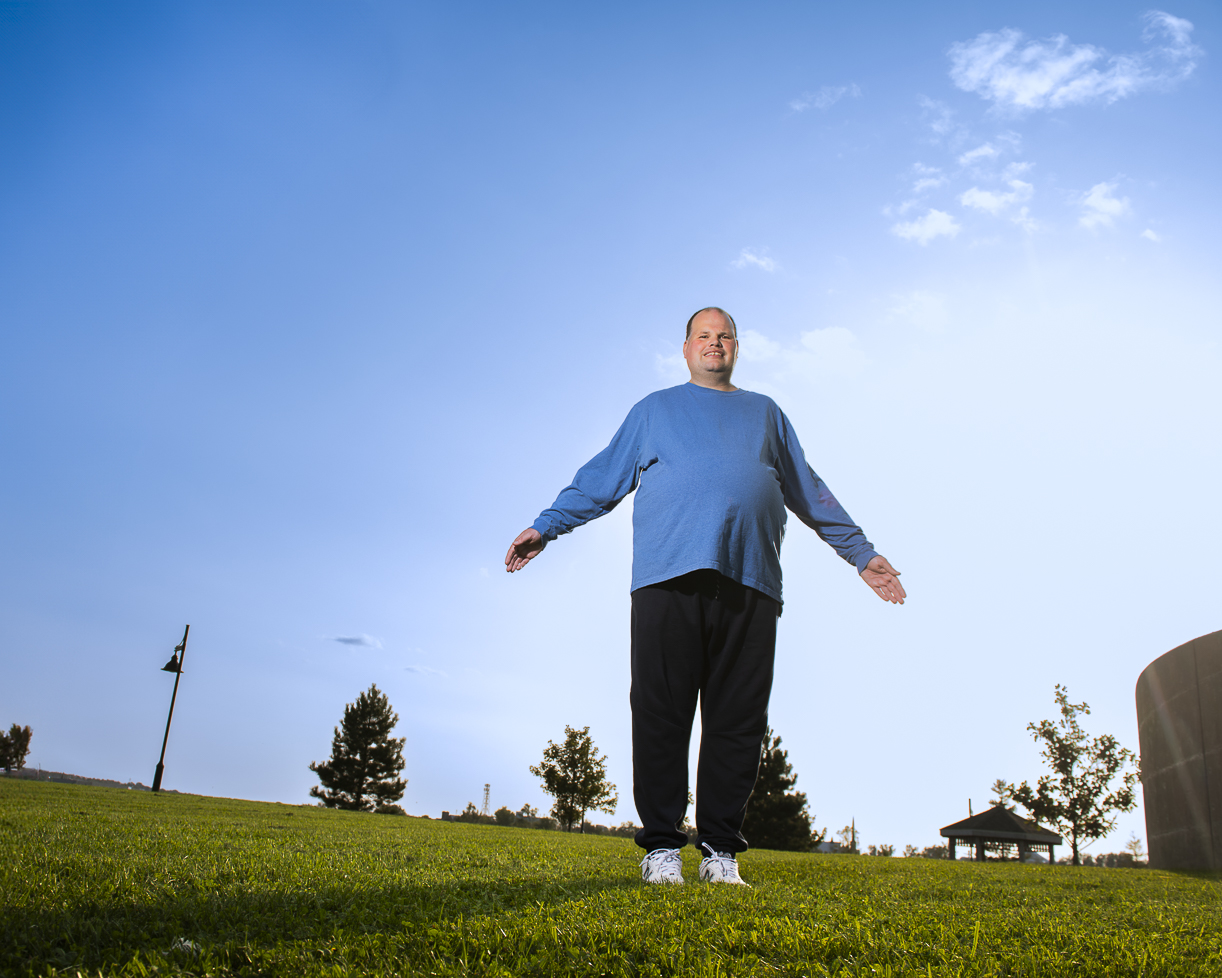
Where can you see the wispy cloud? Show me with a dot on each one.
(1101, 206)
(1019, 74)
(425, 671)
(928, 177)
(367, 641)
(671, 367)
(994, 202)
(824, 98)
(938, 115)
(923, 230)
(835, 348)
(925, 310)
(986, 152)
(1150, 235)
(748, 258)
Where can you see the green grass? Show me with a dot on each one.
(98, 880)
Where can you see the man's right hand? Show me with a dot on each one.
(526, 547)
(884, 580)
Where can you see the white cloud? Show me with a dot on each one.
(1012, 72)
(1150, 235)
(924, 229)
(1024, 220)
(1014, 169)
(366, 641)
(993, 202)
(928, 177)
(747, 258)
(902, 208)
(672, 368)
(1101, 207)
(825, 98)
(986, 152)
(755, 346)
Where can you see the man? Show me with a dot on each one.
(714, 469)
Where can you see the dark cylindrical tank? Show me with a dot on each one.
(1179, 722)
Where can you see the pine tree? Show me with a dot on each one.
(362, 774)
(576, 776)
(777, 817)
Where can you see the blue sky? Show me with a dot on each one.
(307, 309)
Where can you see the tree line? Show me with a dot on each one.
(1078, 798)
(363, 774)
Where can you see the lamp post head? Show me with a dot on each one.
(173, 665)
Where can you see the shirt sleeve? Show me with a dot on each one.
(602, 482)
(808, 497)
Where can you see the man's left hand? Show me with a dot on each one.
(884, 580)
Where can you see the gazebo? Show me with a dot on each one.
(999, 830)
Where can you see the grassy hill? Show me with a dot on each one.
(97, 880)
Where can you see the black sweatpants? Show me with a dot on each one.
(700, 637)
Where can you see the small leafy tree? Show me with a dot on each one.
(777, 817)
(576, 776)
(472, 814)
(1003, 793)
(14, 746)
(1076, 796)
(362, 774)
(1135, 848)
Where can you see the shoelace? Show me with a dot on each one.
(665, 858)
(726, 862)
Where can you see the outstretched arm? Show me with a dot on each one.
(526, 546)
(884, 580)
(597, 488)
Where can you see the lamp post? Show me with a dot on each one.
(174, 666)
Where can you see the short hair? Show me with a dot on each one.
(728, 318)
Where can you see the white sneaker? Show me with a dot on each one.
(662, 866)
(720, 867)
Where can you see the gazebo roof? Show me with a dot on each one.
(1000, 824)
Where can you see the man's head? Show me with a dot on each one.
(711, 347)
(717, 309)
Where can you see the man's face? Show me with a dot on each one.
(712, 347)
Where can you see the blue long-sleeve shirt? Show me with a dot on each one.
(714, 472)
